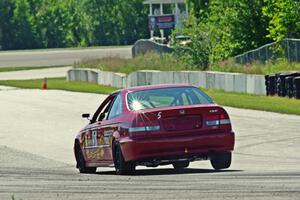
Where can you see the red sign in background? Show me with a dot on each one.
(161, 22)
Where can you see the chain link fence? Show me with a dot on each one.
(288, 48)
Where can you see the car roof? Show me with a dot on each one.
(151, 87)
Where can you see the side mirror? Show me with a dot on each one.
(86, 115)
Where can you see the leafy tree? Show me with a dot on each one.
(131, 20)
(23, 21)
(218, 29)
(197, 49)
(6, 32)
(80, 26)
(284, 18)
(117, 21)
(69, 23)
(231, 27)
(239, 26)
(199, 8)
(53, 21)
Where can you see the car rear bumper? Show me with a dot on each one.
(134, 150)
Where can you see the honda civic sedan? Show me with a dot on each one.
(155, 125)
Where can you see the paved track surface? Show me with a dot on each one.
(59, 56)
(35, 73)
(36, 160)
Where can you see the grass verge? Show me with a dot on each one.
(238, 100)
(256, 68)
(60, 84)
(151, 61)
(10, 69)
(168, 62)
(255, 102)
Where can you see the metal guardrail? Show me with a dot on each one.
(288, 48)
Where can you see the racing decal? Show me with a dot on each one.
(95, 154)
(89, 138)
(94, 138)
(100, 154)
(101, 139)
(159, 115)
(83, 139)
(86, 141)
(108, 137)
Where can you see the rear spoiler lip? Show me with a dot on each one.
(177, 107)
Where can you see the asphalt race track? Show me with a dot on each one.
(52, 57)
(36, 160)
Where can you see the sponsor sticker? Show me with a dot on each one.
(108, 137)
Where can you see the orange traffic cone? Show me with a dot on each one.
(44, 86)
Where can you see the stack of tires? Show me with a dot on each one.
(283, 84)
(289, 86)
(270, 84)
(296, 82)
(281, 89)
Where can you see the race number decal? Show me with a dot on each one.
(159, 115)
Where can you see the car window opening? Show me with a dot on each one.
(166, 97)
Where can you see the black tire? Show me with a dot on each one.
(221, 160)
(180, 165)
(122, 167)
(81, 162)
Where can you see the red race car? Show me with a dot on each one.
(155, 125)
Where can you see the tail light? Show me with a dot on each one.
(144, 125)
(218, 120)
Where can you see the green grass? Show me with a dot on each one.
(255, 102)
(238, 100)
(168, 62)
(151, 61)
(256, 68)
(60, 84)
(10, 69)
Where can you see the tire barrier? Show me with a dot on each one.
(267, 79)
(289, 86)
(283, 85)
(296, 82)
(270, 85)
(281, 91)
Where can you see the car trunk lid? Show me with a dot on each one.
(170, 121)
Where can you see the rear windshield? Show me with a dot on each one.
(166, 97)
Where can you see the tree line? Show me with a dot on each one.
(29, 24)
(220, 29)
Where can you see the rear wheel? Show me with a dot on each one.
(221, 160)
(180, 165)
(122, 167)
(81, 164)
